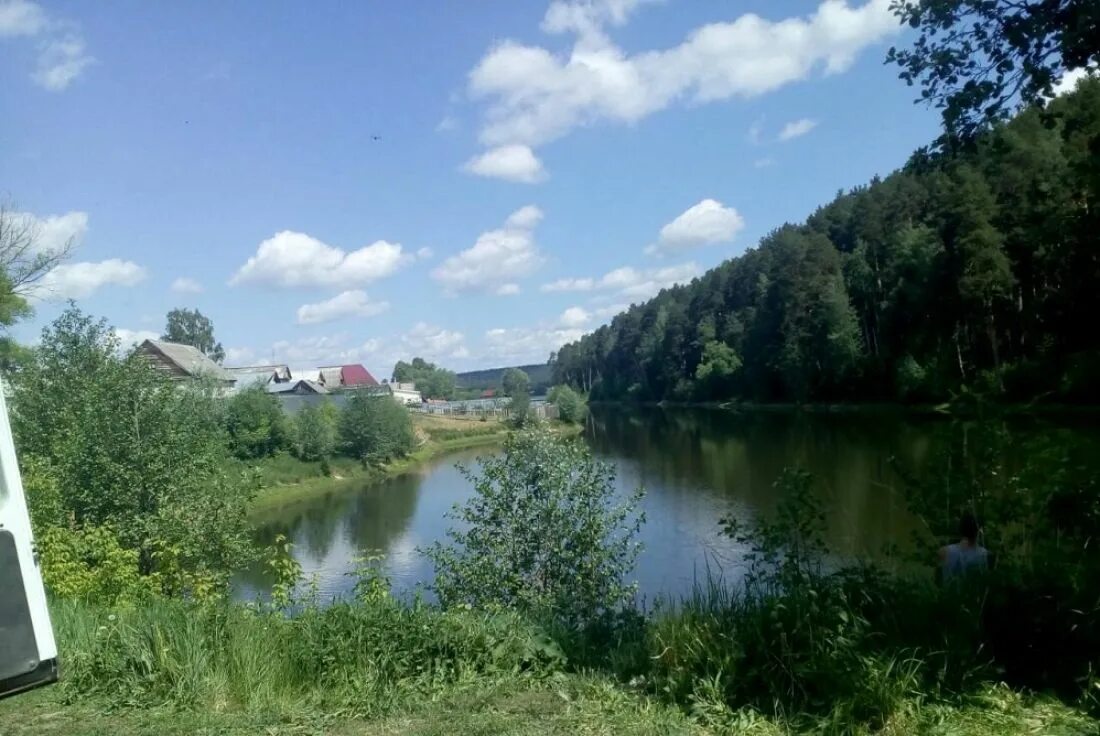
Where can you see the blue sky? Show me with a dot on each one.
(371, 181)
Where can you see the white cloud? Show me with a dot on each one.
(53, 232)
(434, 343)
(1069, 80)
(60, 62)
(763, 163)
(129, 338)
(574, 317)
(609, 311)
(756, 132)
(21, 18)
(533, 95)
(631, 282)
(447, 124)
(80, 280)
(797, 129)
(498, 257)
(346, 304)
(239, 356)
(319, 350)
(291, 259)
(507, 290)
(519, 345)
(585, 284)
(184, 285)
(424, 253)
(514, 162)
(705, 223)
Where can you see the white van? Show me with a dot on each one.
(28, 653)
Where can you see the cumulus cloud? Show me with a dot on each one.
(60, 62)
(62, 56)
(129, 338)
(184, 285)
(434, 343)
(321, 350)
(705, 223)
(629, 282)
(1069, 80)
(513, 162)
(21, 18)
(51, 233)
(239, 356)
(527, 344)
(353, 303)
(610, 311)
(424, 253)
(507, 290)
(81, 280)
(497, 259)
(291, 259)
(533, 95)
(574, 317)
(796, 129)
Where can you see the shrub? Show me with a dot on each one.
(571, 406)
(375, 429)
(544, 533)
(255, 423)
(315, 431)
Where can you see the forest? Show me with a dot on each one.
(971, 271)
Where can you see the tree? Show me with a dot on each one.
(192, 327)
(129, 449)
(255, 423)
(25, 256)
(431, 381)
(315, 431)
(571, 406)
(976, 59)
(375, 429)
(514, 381)
(719, 364)
(545, 533)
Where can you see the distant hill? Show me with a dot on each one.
(539, 373)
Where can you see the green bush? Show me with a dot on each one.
(374, 429)
(543, 534)
(255, 424)
(571, 406)
(315, 431)
(108, 442)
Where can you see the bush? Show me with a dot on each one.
(543, 534)
(375, 429)
(255, 423)
(315, 431)
(571, 406)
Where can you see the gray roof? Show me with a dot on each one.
(191, 360)
(249, 378)
(291, 386)
(280, 370)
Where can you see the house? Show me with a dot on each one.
(403, 393)
(259, 375)
(351, 376)
(300, 387)
(488, 393)
(183, 362)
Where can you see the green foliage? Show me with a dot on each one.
(977, 59)
(375, 429)
(315, 431)
(975, 264)
(514, 382)
(431, 381)
(572, 408)
(192, 327)
(89, 564)
(544, 534)
(108, 442)
(255, 424)
(519, 410)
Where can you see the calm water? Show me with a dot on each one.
(696, 466)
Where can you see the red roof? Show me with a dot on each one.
(488, 393)
(356, 375)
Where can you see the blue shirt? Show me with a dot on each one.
(961, 560)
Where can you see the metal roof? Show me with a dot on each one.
(191, 360)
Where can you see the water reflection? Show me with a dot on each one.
(696, 466)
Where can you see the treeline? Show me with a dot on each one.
(492, 378)
(972, 270)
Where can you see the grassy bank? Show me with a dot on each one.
(378, 666)
(288, 480)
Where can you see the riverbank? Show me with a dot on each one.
(289, 481)
(963, 410)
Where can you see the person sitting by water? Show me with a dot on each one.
(966, 555)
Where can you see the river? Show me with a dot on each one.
(696, 466)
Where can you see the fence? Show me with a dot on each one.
(294, 403)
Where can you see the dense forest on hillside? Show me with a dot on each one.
(970, 270)
(538, 373)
